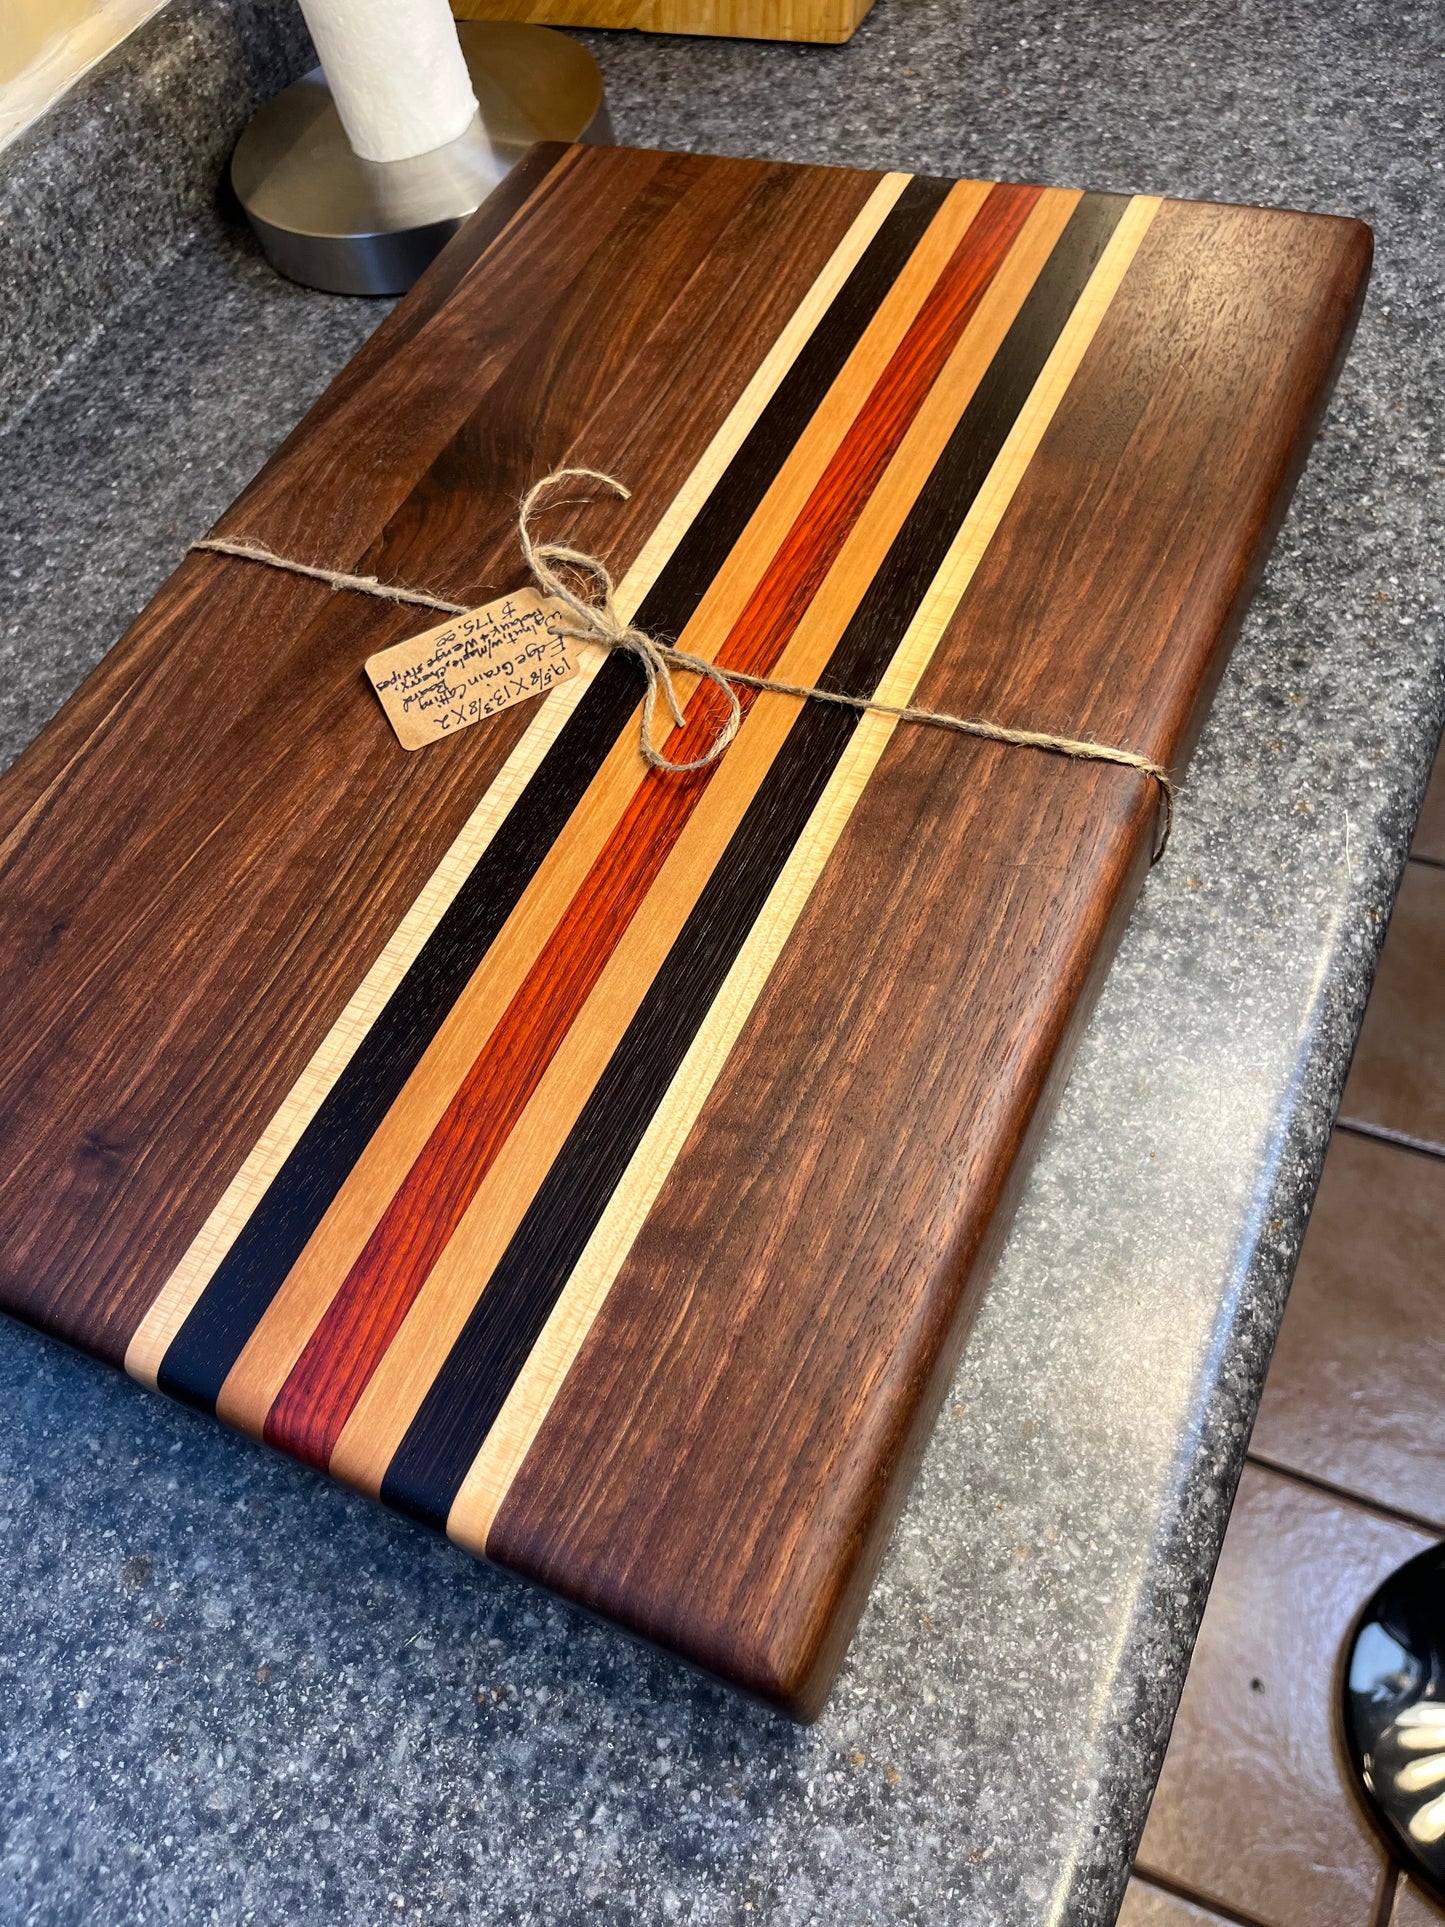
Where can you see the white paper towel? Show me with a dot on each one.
(396, 73)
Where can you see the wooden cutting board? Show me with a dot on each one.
(603, 1164)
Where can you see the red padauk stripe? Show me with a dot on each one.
(357, 1328)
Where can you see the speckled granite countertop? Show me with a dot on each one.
(231, 1692)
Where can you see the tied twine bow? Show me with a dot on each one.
(598, 621)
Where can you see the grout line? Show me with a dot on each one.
(1382, 1133)
(1219, 1908)
(1397, 1514)
(1384, 1903)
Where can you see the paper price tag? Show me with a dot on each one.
(470, 666)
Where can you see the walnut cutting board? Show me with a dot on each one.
(597, 1163)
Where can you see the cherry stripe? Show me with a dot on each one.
(354, 1333)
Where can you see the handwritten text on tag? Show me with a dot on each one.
(470, 666)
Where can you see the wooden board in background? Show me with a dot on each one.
(602, 1164)
(818, 20)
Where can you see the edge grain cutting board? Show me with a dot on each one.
(603, 1164)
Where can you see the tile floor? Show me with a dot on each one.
(1255, 1821)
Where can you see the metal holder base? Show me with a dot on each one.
(331, 220)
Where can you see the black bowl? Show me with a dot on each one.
(1394, 1714)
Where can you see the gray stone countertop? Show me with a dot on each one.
(230, 1692)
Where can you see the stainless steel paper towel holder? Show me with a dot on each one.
(328, 219)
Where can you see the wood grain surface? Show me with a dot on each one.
(826, 20)
(599, 1163)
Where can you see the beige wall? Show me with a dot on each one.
(47, 44)
(27, 25)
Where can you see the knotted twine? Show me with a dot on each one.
(595, 619)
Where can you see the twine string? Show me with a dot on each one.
(596, 619)
(333, 578)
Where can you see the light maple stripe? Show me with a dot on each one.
(387, 1407)
(525, 1410)
(176, 1298)
(273, 1349)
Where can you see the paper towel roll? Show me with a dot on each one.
(396, 73)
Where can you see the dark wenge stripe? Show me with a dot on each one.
(468, 1393)
(236, 1299)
